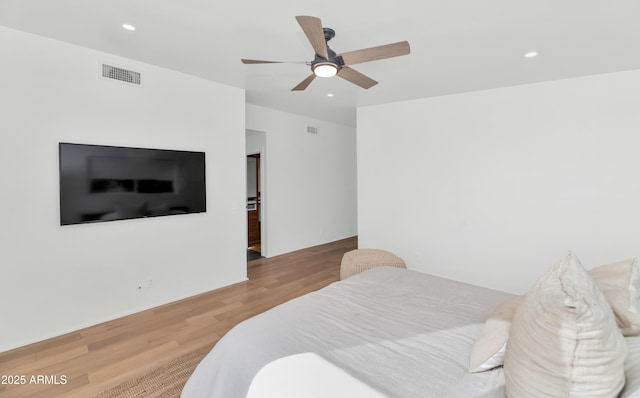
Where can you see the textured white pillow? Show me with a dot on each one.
(632, 369)
(564, 341)
(488, 350)
(620, 283)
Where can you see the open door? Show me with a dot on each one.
(253, 207)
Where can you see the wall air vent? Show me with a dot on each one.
(123, 75)
(312, 130)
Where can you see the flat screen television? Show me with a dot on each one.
(106, 183)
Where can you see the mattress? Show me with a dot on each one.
(387, 332)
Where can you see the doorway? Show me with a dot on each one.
(254, 208)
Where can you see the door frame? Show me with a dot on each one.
(258, 191)
(261, 150)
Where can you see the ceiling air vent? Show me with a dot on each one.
(312, 130)
(123, 75)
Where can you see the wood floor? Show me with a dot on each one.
(91, 360)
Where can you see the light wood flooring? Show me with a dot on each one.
(102, 356)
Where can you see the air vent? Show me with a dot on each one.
(123, 75)
(312, 130)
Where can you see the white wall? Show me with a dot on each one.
(255, 141)
(251, 177)
(309, 195)
(255, 144)
(56, 279)
(493, 187)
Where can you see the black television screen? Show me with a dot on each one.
(105, 183)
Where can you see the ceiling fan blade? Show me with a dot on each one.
(376, 53)
(258, 61)
(305, 83)
(312, 27)
(356, 77)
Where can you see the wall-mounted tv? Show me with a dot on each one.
(105, 183)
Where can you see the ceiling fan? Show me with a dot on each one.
(327, 63)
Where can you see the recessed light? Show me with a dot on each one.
(531, 54)
(329, 95)
(128, 27)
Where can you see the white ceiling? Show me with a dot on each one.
(456, 45)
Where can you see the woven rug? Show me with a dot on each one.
(164, 382)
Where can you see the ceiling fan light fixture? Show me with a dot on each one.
(325, 69)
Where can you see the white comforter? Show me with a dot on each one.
(385, 332)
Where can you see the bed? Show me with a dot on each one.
(400, 332)
(387, 332)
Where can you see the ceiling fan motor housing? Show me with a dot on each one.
(333, 58)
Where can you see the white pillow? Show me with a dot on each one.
(632, 369)
(564, 341)
(620, 283)
(488, 350)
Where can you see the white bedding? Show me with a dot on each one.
(385, 332)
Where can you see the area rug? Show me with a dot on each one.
(164, 382)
